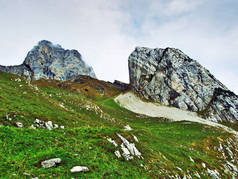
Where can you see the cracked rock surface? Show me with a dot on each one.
(50, 61)
(170, 77)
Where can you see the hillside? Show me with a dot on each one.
(87, 116)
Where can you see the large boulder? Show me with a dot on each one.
(170, 77)
(50, 61)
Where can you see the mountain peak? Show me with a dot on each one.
(49, 61)
(170, 77)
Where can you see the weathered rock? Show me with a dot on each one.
(50, 61)
(135, 138)
(56, 126)
(213, 174)
(118, 154)
(129, 149)
(49, 125)
(39, 124)
(8, 118)
(18, 124)
(44, 125)
(170, 77)
(127, 128)
(112, 141)
(123, 86)
(77, 169)
(51, 163)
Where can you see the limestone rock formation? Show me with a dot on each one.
(50, 61)
(170, 77)
(51, 163)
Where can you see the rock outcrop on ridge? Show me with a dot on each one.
(50, 61)
(170, 77)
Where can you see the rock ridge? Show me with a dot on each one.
(50, 61)
(172, 78)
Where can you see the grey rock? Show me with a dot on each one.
(118, 154)
(126, 153)
(39, 124)
(8, 118)
(51, 163)
(77, 169)
(127, 128)
(44, 125)
(112, 141)
(123, 86)
(27, 174)
(18, 124)
(213, 174)
(50, 61)
(170, 77)
(129, 149)
(49, 125)
(135, 138)
(56, 126)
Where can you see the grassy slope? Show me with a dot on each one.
(164, 145)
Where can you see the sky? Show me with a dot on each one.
(105, 32)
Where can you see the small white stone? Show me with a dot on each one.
(33, 127)
(27, 174)
(117, 153)
(191, 159)
(62, 127)
(112, 142)
(18, 124)
(204, 165)
(50, 163)
(135, 138)
(49, 125)
(77, 169)
(127, 128)
(56, 126)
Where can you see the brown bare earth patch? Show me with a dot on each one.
(84, 85)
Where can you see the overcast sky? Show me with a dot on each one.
(105, 32)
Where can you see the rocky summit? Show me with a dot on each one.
(170, 77)
(49, 61)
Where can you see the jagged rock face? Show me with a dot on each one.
(123, 86)
(50, 61)
(170, 77)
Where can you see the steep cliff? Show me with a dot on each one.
(170, 77)
(50, 61)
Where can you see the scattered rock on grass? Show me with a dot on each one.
(77, 169)
(8, 118)
(112, 142)
(18, 124)
(213, 174)
(117, 153)
(127, 128)
(49, 125)
(135, 138)
(51, 163)
(126, 147)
